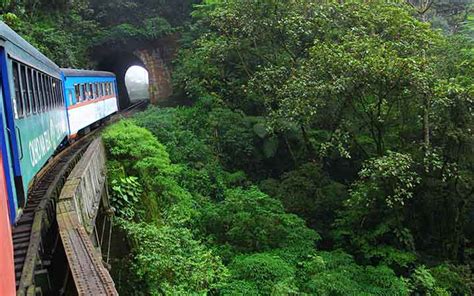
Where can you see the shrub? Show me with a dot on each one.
(260, 273)
(251, 221)
(169, 261)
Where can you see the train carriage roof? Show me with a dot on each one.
(7, 34)
(86, 73)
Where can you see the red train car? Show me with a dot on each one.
(7, 269)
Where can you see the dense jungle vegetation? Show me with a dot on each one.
(329, 149)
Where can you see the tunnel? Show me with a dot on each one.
(119, 62)
(156, 57)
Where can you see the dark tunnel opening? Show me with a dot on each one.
(119, 62)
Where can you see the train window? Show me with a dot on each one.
(47, 83)
(102, 89)
(54, 87)
(19, 107)
(55, 92)
(92, 91)
(97, 90)
(77, 90)
(44, 92)
(83, 92)
(29, 76)
(99, 86)
(60, 93)
(38, 91)
(69, 97)
(24, 90)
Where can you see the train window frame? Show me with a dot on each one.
(45, 94)
(69, 96)
(92, 91)
(77, 92)
(101, 93)
(53, 95)
(54, 91)
(60, 93)
(82, 92)
(24, 91)
(38, 92)
(28, 90)
(29, 80)
(19, 106)
(62, 101)
(48, 92)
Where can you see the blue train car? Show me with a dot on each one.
(90, 97)
(34, 109)
(33, 124)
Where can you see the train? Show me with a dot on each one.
(42, 109)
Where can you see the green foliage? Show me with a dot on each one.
(169, 261)
(150, 29)
(372, 219)
(353, 116)
(126, 193)
(260, 274)
(141, 155)
(336, 273)
(448, 278)
(62, 32)
(309, 193)
(251, 221)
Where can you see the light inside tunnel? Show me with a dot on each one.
(136, 80)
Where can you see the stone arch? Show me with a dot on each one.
(156, 58)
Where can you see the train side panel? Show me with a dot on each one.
(39, 136)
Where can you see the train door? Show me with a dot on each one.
(9, 137)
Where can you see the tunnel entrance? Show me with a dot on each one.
(156, 57)
(118, 62)
(137, 83)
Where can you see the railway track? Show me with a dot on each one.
(34, 239)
